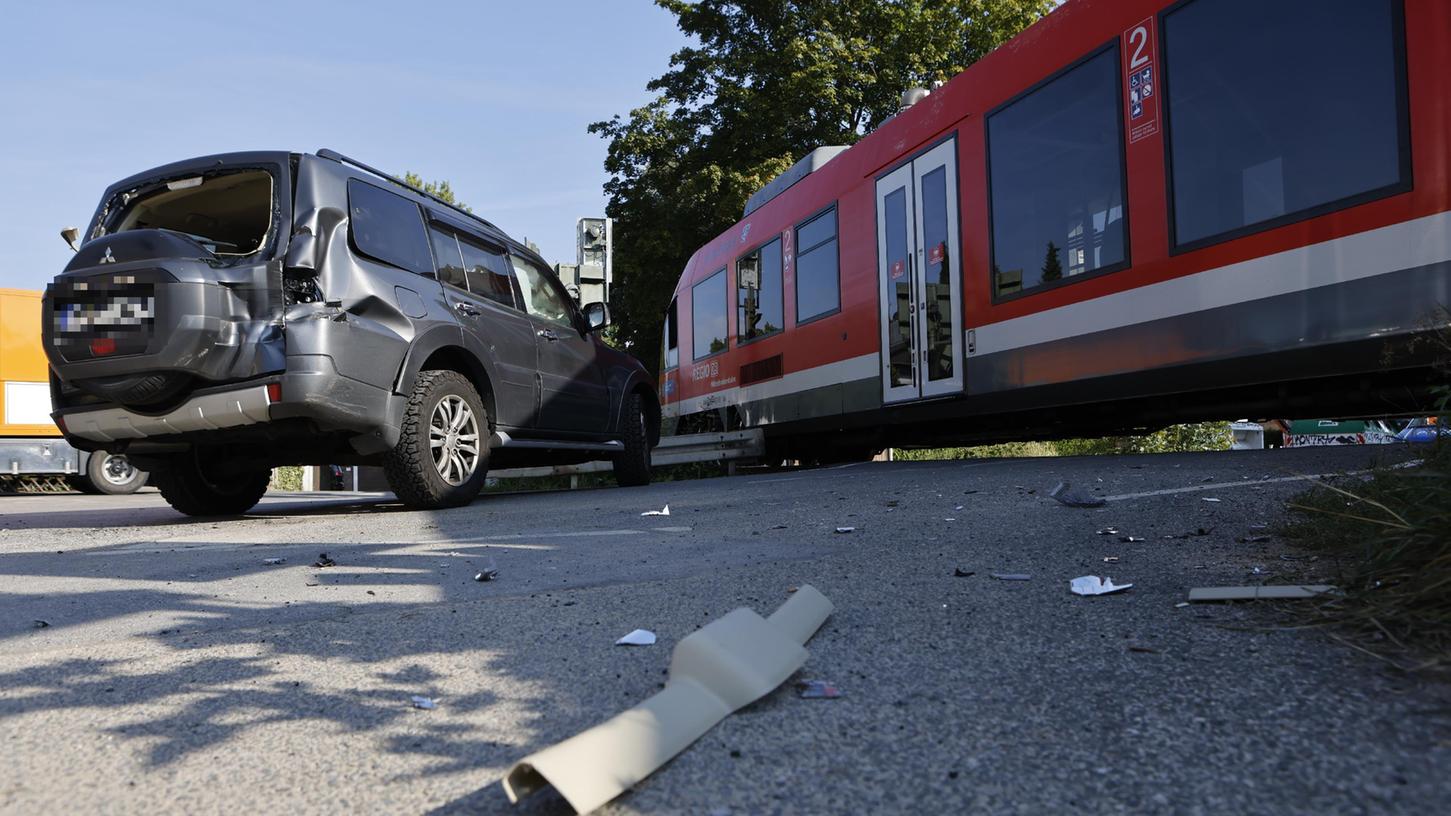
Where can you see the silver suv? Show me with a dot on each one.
(232, 313)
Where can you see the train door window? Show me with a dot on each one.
(1303, 114)
(388, 228)
(818, 287)
(487, 273)
(760, 309)
(448, 263)
(670, 343)
(1056, 179)
(708, 316)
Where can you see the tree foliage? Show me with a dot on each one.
(768, 81)
(442, 189)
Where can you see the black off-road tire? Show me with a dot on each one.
(410, 468)
(632, 465)
(99, 480)
(190, 486)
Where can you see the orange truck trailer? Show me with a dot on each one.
(32, 453)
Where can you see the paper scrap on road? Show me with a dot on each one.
(1210, 499)
(1065, 495)
(1093, 585)
(665, 511)
(1251, 593)
(639, 637)
(272, 562)
(1131, 539)
(727, 664)
(1108, 531)
(817, 690)
(426, 703)
(1012, 576)
(846, 529)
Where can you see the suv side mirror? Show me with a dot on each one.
(597, 315)
(72, 236)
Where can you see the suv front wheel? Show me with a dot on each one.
(632, 465)
(442, 456)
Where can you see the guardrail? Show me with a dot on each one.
(728, 446)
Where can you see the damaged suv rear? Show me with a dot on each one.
(229, 314)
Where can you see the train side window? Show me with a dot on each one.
(1304, 114)
(1056, 179)
(487, 272)
(708, 316)
(448, 263)
(760, 310)
(388, 228)
(670, 343)
(818, 286)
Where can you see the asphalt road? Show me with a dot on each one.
(181, 672)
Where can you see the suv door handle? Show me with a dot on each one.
(467, 308)
(547, 335)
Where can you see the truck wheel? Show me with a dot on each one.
(632, 465)
(194, 489)
(442, 456)
(110, 474)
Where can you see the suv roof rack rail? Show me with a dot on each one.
(327, 153)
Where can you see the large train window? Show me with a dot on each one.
(1056, 179)
(670, 343)
(1282, 112)
(760, 309)
(818, 287)
(708, 316)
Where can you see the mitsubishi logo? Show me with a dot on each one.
(108, 257)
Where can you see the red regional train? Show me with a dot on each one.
(1134, 213)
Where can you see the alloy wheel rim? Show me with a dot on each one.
(453, 439)
(117, 470)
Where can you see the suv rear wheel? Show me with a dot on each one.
(194, 486)
(442, 456)
(632, 465)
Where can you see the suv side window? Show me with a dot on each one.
(388, 228)
(446, 256)
(488, 273)
(542, 298)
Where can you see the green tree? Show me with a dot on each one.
(442, 189)
(769, 81)
(1052, 266)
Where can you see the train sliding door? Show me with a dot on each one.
(918, 263)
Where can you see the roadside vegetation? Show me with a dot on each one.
(1390, 539)
(1201, 436)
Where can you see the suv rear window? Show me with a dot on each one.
(228, 213)
(388, 228)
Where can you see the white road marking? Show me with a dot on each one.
(1231, 485)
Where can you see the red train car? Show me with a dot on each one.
(1135, 212)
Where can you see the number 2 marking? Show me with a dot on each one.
(1138, 38)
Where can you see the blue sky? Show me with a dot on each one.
(493, 96)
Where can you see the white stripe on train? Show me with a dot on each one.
(856, 368)
(1380, 251)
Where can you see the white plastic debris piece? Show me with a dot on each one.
(1131, 539)
(1181, 604)
(729, 663)
(1093, 585)
(1110, 559)
(272, 562)
(1108, 531)
(1210, 499)
(426, 703)
(639, 637)
(846, 529)
(958, 507)
(949, 519)
(1011, 576)
(1064, 495)
(1251, 593)
(665, 511)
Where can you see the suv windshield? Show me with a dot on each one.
(228, 213)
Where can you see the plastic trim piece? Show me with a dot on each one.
(729, 663)
(208, 412)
